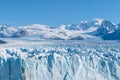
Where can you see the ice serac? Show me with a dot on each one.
(75, 61)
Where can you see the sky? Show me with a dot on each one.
(56, 12)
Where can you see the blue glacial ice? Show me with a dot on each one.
(64, 61)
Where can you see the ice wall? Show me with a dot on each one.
(60, 63)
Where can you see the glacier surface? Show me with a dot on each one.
(60, 60)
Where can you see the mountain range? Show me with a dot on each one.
(96, 29)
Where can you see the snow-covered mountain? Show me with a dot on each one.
(97, 29)
(10, 31)
(106, 27)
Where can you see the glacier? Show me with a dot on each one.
(60, 60)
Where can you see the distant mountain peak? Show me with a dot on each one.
(84, 21)
(99, 20)
(83, 30)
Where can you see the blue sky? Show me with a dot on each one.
(55, 12)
